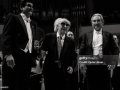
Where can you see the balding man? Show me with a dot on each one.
(101, 44)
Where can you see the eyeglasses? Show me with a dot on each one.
(70, 34)
(63, 24)
(115, 38)
(98, 20)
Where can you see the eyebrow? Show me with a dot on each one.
(65, 23)
(96, 19)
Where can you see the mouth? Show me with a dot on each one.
(97, 26)
(30, 10)
(63, 29)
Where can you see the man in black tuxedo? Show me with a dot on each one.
(17, 48)
(60, 57)
(101, 44)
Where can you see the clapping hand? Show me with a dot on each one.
(70, 70)
(10, 61)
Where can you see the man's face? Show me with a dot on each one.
(63, 27)
(115, 38)
(97, 23)
(28, 9)
(70, 34)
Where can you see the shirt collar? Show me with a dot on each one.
(25, 18)
(58, 35)
(98, 32)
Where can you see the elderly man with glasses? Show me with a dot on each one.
(60, 57)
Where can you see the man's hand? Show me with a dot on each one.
(83, 68)
(70, 70)
(111, 67)
(43, 54)
(10, 61)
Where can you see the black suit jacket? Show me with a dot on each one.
(15, 37)
(14, 34)
(110, 49)
(67, 56)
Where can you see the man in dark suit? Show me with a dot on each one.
(60, 57)
(101, 44)
(116, 71)
(17, 48)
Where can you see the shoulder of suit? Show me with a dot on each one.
(10, 15)
(106, 32)
(69, 39)
(49, 35)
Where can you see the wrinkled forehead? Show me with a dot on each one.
(65, 21)
(96, 17)
(61, 20)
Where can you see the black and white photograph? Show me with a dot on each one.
(59, 45)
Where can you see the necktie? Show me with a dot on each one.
(59, 46)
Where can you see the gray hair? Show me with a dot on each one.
(97, 14)
(59, 21)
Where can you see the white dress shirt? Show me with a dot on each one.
(62, 38)
(60, 41)
(97, 42)
(29, 32)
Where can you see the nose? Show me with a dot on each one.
(96, 22)
(65, 25)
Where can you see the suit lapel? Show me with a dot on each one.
(63, 50)
(90, 38)
(55, 43)
(22, 23)
(104, 39)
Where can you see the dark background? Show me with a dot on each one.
(77, 11)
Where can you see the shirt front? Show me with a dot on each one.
(97, 42)
(60, 42)
(61, 37)
(29, 32)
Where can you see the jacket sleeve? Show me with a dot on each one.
(8, 35)
(114, 47)
(82, 46)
